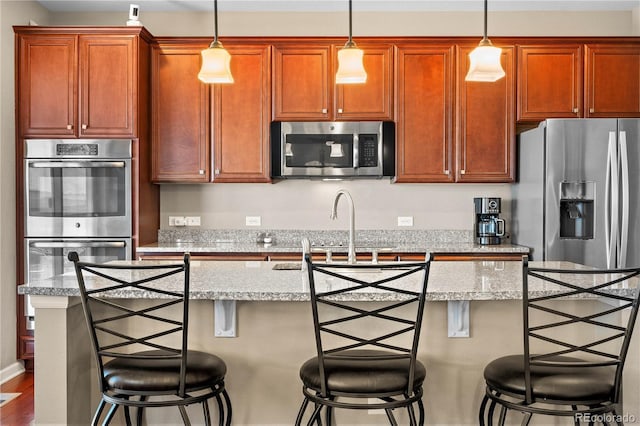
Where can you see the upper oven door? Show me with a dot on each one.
(78, 198)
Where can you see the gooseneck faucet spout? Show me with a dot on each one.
(352, 222)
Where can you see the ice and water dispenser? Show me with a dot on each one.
(577, 210)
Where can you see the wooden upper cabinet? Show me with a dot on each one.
(77, 85)
(549, 83)
(241, 117)
(301, 83)
(47, 85)
(108, 88)
(372, 100)
(304, 86)
(180, 115)
(612, 86)
(485, 140)
(424, 127)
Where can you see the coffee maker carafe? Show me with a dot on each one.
(489, 228)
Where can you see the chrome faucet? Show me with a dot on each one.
(352, 222)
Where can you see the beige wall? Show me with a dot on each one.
(286, 204)
(11, 13)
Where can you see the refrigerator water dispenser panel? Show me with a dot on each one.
(577, 210)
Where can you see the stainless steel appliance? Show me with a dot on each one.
(578, 193)
(349, 149)
(77, 188)
(77, 197)
(489, 228)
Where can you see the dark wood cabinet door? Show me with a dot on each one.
(241, 116)
(612, 80)
(301, 83)
(47, 85)
(549, 82)
(424, 126)
(180, 115)
(485, 139)
(372, 100)
(108, 89)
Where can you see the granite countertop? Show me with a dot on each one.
(258, 281)
(289, 241)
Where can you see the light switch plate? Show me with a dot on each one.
(177, 221)
(252, 221)
(405, 220)
(193, 220)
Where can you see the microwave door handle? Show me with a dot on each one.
(76, 164)
(77, 244)
(356, 155)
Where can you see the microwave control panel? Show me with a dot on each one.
(367, 150)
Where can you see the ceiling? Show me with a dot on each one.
(336, 5)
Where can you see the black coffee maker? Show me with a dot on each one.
(489, 228)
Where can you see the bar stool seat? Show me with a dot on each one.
(587, 384)
(162, 375)
(363, 371)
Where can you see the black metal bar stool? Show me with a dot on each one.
(365, 351)
(572, 362)
(132, 345)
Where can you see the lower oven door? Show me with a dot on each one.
(46, 258)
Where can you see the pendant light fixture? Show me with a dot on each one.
(485, 59)
(216, 61)
(350, 66)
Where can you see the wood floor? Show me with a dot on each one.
(18, 411)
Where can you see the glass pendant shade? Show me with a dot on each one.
(216, 65)
(350, 65)
(485, 63)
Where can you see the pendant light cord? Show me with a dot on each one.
(215, 21)
(485, 20)
(350, 24)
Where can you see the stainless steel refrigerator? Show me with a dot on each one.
(577, 197)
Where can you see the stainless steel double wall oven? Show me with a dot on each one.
(77, 197)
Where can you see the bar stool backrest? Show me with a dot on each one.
(597, 337)
(345, 327)
(119, 328)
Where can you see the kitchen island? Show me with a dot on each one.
(273, 337)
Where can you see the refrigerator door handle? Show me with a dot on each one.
(610, 200)
(624, 227)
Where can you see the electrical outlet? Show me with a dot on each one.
(193, 220)
(177, 221)
(405, 220)
(252, 220)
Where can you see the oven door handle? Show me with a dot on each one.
(78, 244)
(76, 164)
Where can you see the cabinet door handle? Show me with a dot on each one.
(462, 172)
(340, 110)
(201, 172)
(324, 110)
(592, 110)
(446, 172)
(576, 110)
(217, 171)
(69, 126)
(84, 127)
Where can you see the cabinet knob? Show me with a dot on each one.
(576, 110)
(69, 126)
(84, 127)
(217, 171)
(446, 172)
(340, 110)
(592, 110)
(462, 172)
(324, 110)
(201, 172)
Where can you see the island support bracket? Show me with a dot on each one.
(458, 318)
(224, 320)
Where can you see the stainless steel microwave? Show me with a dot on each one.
(349, 149)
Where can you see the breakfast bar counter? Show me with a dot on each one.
(272, 336)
